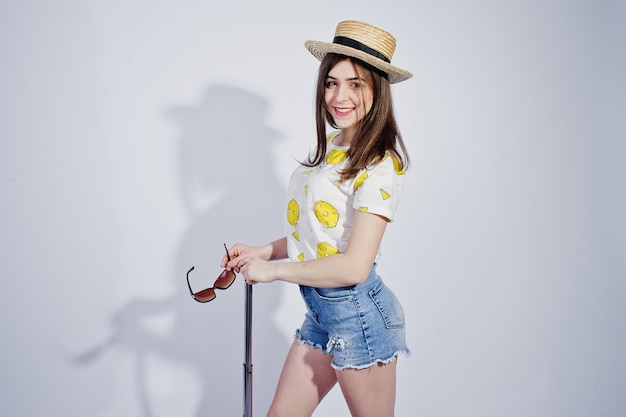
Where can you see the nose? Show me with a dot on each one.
(343, 94)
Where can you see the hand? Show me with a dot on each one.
(240, 251)
(256, 270)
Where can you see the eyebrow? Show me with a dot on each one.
(347, 79)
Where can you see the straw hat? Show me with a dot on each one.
(365, 42)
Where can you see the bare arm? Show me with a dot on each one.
(348, 268)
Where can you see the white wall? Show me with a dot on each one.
(137, 136)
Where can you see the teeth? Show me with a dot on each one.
(342, 110)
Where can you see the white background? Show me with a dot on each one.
(138, 136)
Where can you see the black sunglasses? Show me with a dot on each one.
(222, 282)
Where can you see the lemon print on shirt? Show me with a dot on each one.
(293, 212)
(326, 249)
(384, 194)
(336, 156)
(397, 167)
(359, 181)
(326, 213)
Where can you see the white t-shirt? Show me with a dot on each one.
(321, 209)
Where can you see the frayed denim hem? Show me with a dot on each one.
(324, 350)
(393, 358)
(303, 341)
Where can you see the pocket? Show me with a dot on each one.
(388, 306)
(335, 295)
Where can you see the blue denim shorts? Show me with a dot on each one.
(359, 326)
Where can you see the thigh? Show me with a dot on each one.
(370, 391)
(305, 379)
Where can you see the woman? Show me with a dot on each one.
(342, 198)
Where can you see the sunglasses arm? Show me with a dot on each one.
(188, 284)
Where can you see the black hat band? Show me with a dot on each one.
(342, 40)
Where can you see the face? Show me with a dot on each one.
(347, 95)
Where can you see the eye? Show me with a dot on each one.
(330, 83)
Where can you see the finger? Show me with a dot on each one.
(233, 263)
(236, 257)
(227, 260)
(241, 262)
(224, 262)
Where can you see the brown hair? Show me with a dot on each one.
(377, 133)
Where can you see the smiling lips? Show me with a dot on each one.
(343, 111)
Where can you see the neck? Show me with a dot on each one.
(344, 138)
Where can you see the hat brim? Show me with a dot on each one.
(320, 49)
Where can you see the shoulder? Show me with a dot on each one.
(389, 163)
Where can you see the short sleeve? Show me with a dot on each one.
(378, 189)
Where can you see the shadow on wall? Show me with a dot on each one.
(231, 196)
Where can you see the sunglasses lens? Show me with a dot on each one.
(225, 280)
(205, 296)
